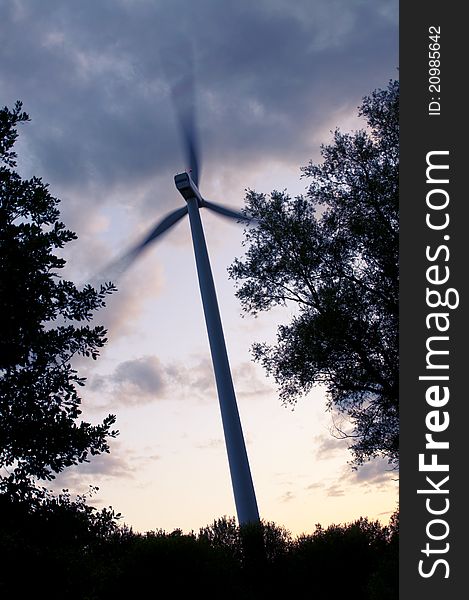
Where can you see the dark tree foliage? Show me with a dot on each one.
(43, 323)
(49, 535)
(332, 255)
(91, 558)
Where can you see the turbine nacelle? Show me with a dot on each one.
(187, 187)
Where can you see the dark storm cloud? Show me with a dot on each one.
(95, 77)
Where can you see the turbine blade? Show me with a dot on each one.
(119, 266)
(226, 212)
(183, 97)
(168, 221)
(191, 147)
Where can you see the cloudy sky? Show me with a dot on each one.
(272, 79)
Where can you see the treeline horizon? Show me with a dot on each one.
(56, 547)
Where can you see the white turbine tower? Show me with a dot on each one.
(187, 184)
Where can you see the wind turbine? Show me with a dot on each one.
(187, 184)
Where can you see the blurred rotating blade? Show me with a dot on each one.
(190, 141)
(183, 97)
(162, 226)
(117, 268)
(227, 212)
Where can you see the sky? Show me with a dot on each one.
(273, 79)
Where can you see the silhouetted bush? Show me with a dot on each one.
(46, 541)
(56, 547)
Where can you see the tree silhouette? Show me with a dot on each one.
(90, 556)
(333, 255)
(43, 324)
